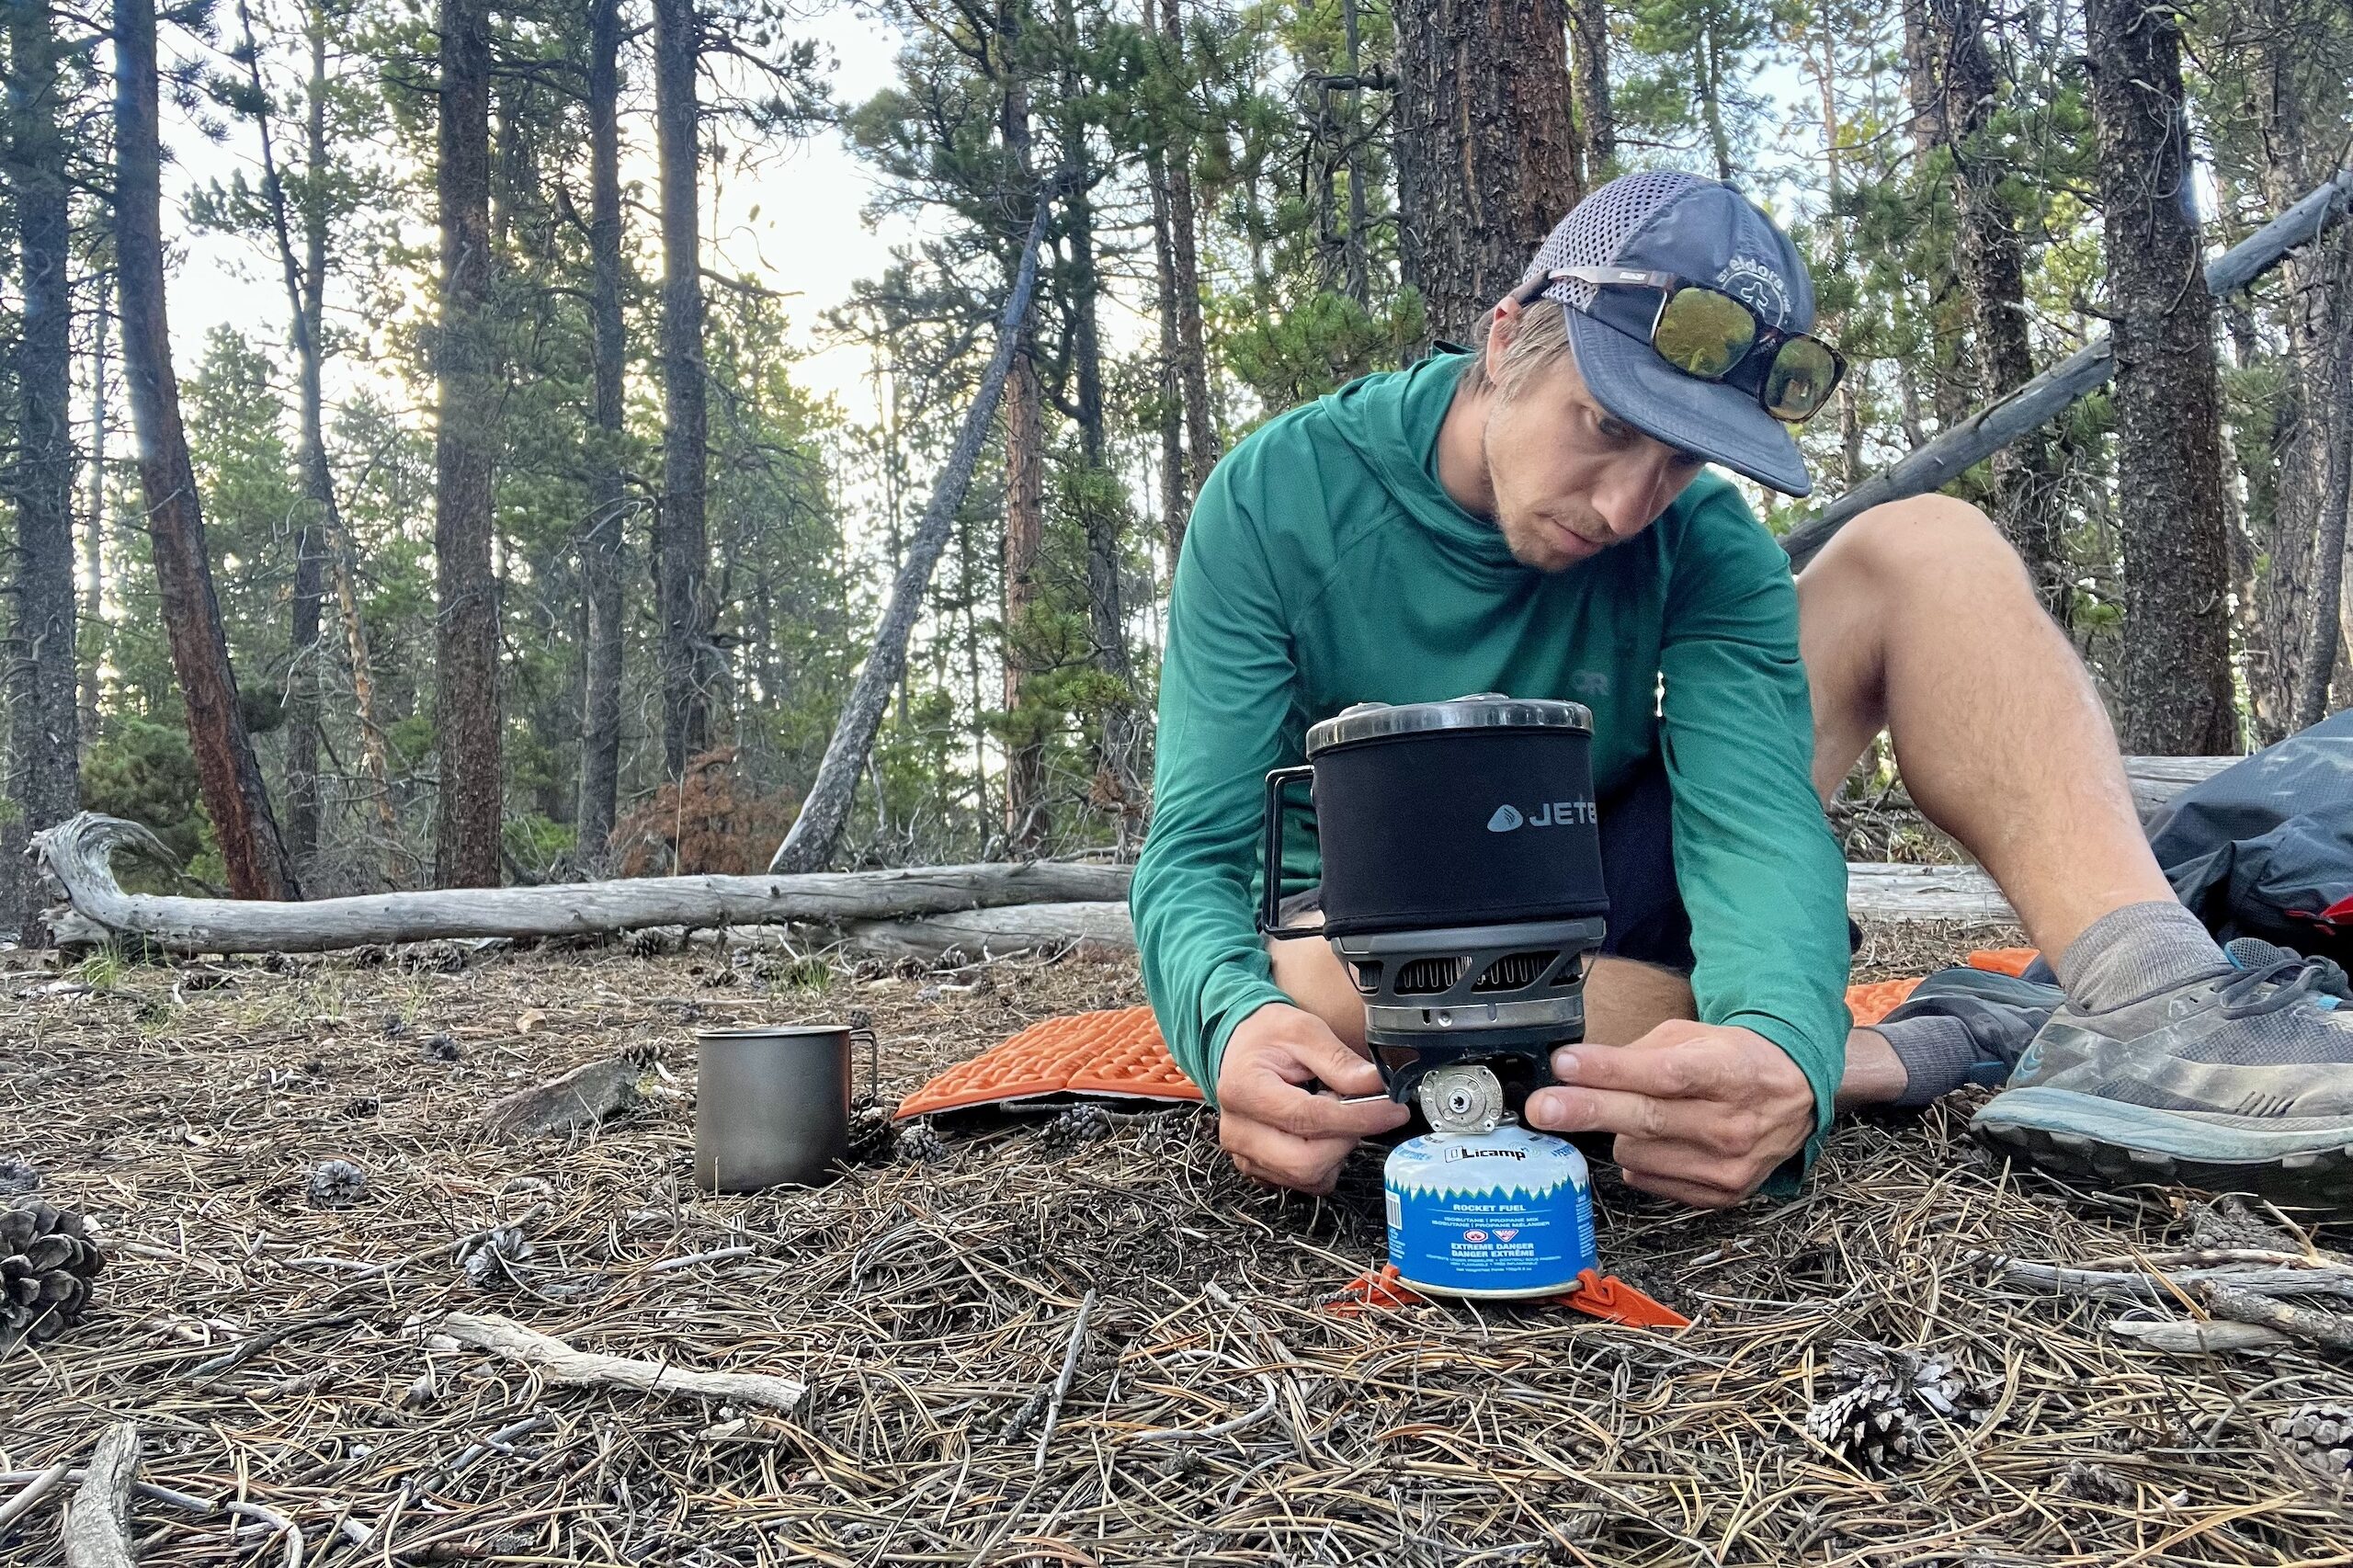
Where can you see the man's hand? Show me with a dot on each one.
(1274, 1129)
(1702, 1112)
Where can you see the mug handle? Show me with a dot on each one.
(873, 1062)
(1270, 901)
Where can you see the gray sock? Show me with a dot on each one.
(2136, 952)
(1937, 1053)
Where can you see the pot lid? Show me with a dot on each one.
(1481, 711)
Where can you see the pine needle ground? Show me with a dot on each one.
(1213, 1411)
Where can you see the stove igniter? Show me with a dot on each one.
(1463, 1098)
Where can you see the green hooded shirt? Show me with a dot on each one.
(1326, 565)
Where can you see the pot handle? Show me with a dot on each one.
(1270, 901)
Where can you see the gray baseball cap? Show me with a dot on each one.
(1707, 233)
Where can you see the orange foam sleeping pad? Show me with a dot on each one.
(1119, 1054)
(1870, 1003)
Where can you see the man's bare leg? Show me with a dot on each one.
(1918, 619)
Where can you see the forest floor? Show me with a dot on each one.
(1218, 1411)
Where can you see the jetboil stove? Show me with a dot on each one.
(1462, 890)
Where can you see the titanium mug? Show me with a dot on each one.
(772, 1106)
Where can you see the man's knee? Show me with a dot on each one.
(1916, 541)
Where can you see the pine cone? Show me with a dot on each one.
(47, 1258)
(920, 1143)
(441, 1048)
(1869, 1426)
(2319, 1435)
(338, 1184)
(490, 1261)
(1883, 1403)
(1083, 1123)
(650, 942)
(17, 1175)
(2093, 1483)
(871, 1135)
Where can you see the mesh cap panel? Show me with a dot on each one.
(1599, 226)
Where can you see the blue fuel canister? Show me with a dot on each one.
(1498, 1214)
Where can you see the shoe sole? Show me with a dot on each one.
(2303, 1160)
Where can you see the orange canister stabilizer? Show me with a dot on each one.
(1603, 1296)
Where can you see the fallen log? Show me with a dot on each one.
(1881, 890)
(925, 913)
(77, 853)
(1098, 929)
(1875, 890)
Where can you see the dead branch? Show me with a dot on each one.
(97, 1521)
(562, 1364)
(2334, 1330)
(2173, 1285)
(1061, 1382)
(2182, 1337)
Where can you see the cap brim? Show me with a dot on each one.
(1720, 423)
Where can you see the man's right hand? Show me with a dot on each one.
(1277, 1130)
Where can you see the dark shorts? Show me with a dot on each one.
(1647, 921)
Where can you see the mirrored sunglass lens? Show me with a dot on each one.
(1702, 332)
(1799, 379)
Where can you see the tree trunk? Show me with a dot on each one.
(1485, 165)
(2286, 615)
(1355, 268)
(228, 775)
(601, 543)
(1992, 266)
(1826, 73)
(1174, 502)
(1939, 283)
(467, 706)
(1025, 806)
(1712, 97)
(2322, 643)
(2175, 662)
(329, 548)
(1101, 495)
(1192, 343)
(47, 719)
(305, 282)
(681, 552)
(1597, 123)
(1025, 478)
(817, 831)
(94, 532)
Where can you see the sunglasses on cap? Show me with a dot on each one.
(1710, 336)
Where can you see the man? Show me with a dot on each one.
(1535, 519)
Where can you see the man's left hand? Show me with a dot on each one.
(1702, 1112)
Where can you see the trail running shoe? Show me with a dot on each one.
(2239, 1081)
